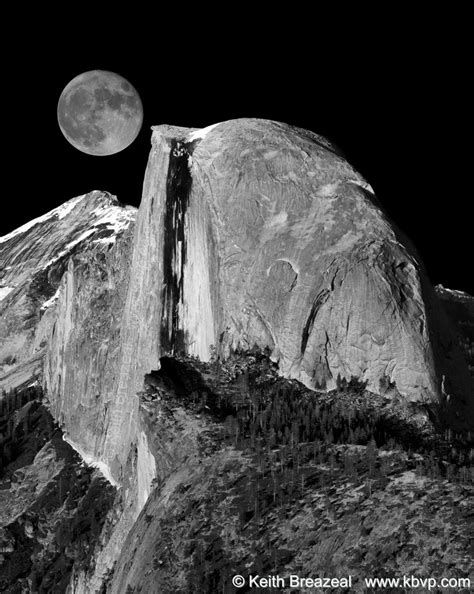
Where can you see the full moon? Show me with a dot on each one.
(100, 113)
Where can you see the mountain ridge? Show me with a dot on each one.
(33, 260)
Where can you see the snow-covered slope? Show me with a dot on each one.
(33, 259)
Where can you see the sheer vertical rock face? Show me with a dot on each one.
(168, 306)
(277, 240)
(255, 232)
(249, 232)
(83, 355)
(140, 327)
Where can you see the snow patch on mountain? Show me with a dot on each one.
(63, 210)
(69, 247)
(51, 301)
(199, 134)
(60, 212)
(106, 213)
(115, 219)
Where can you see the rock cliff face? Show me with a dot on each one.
(253, 232)
(83, 357)
(33, 260)
(307, 263)
(249, 233)
(284, 245)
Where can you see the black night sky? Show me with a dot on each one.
(395, 101)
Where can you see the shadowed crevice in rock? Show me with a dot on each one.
(178, 188)
(321, 298)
